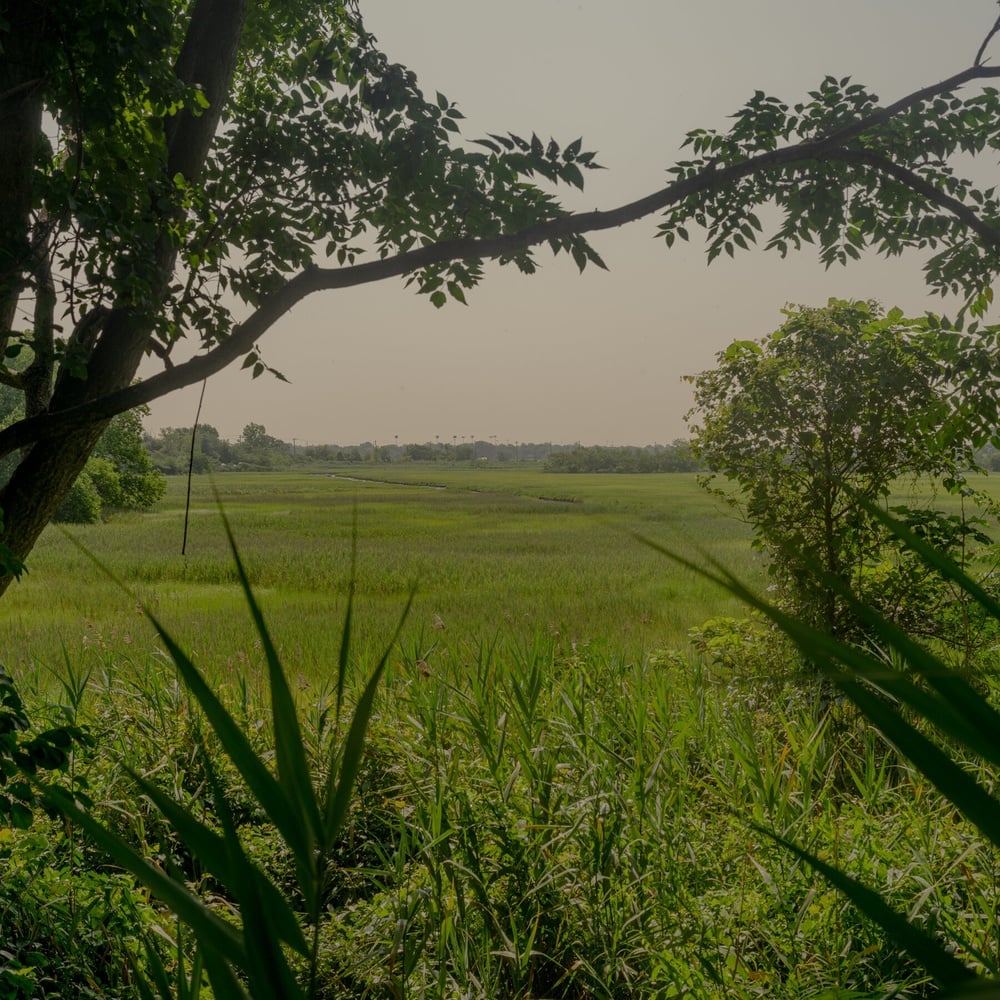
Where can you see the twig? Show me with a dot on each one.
(986, 41)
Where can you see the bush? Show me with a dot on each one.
(68, 930)
(82, 504)
(106, 480)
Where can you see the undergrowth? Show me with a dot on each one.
(528, 822)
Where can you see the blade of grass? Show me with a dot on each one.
(293, 766)
(226, 938)
(343, 657)
(340, 787)
(266, 966)
(944, 967)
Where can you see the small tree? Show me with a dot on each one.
(821, 415)
(139, 484)
(120, 475)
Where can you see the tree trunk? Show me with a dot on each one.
(48, 470)
(22, 70)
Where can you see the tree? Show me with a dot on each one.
(178, 169)
(818, 419)
(118, 476)
(170, 450)
(121, 446)
(254, 437)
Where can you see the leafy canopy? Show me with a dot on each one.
(191, 169)
(819, 418)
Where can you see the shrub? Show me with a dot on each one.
(106, 480)
(82, 504)
(67, 931)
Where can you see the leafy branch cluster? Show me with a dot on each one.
(25, 755)
(212, 163)
(847, 177)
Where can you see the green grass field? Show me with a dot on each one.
(559, 797)
(489, 551)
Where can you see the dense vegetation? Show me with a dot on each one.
(544, 810)
(256, 450)
(558, 805)
(675, 457)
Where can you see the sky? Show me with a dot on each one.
(600, 357)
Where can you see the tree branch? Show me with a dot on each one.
(207, 60)
(315, 279)
(988, 233)
(978, 61)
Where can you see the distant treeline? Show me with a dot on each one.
(256, 450)
(674, 457)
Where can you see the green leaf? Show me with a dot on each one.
(945, 968)
(339, 792)
(293, 766)
(266, 965)
(225, 938)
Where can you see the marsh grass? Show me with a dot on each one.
(541, 813)
(483, 560)
(537, 821)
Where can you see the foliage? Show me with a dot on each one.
(824, 415)
(934, 717)
(70, 929)
(25, 754)
(135, 484)
(82, 504)
(569, 822)
(308, 821)
(119, 476)
(536, 814)
(675, 457)
(170, 450)
(883, 178)
(195, 169)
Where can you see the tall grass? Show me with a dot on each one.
(251, 959)
(540, 816)
(532, 822)
(945, 725)
(484, 560)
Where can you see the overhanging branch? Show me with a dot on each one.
(315, 279)
(989, 234)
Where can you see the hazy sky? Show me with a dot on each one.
(599, 357)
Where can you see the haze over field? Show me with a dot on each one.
(597, 358)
